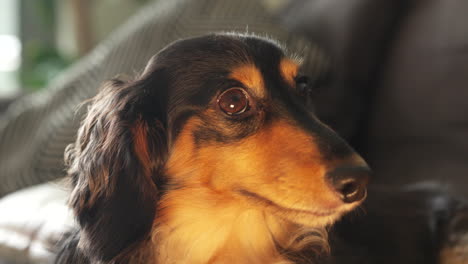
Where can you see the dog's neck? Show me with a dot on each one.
(192, 227)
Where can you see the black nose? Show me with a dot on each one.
(349, 182)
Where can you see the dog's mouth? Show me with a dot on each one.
(269, 203)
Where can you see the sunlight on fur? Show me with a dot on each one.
(228, 233)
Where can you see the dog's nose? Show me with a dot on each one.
(349, 182)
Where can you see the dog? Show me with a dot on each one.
(212, 155)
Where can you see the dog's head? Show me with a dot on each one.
(219, 119)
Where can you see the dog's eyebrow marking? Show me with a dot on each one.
(249, 75)
(288, 70)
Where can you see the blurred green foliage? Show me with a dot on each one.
(42, 61)
(46, 9)
(41, 64)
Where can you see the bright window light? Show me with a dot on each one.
(10, 53)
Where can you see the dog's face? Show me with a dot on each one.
(220, 119)
(246, 131)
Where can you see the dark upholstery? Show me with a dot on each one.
(418, 123)
(400, 91)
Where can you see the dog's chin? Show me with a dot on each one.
(317, 217)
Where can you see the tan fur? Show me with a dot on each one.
(249, 75)
(456, 252)
(454, 255)
(208, 218)
(288, 70)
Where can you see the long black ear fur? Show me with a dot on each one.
(115, 166)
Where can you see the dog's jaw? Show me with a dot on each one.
(197, 229)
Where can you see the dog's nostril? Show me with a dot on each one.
(350, 191)
(349, 182)
(349, 188)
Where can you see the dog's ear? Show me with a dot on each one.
(115, 165)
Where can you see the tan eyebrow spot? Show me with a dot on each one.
(250, 76)
(288, 69)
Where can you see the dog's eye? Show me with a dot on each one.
(233, 101)
(302, 85)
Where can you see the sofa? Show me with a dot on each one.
(397, 92)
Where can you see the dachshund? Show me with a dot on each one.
(212, 155)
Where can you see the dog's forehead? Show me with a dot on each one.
(201, 68)
(229, 46)
(250, 60)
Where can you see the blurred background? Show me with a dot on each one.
(39, 38)
(397, 93)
